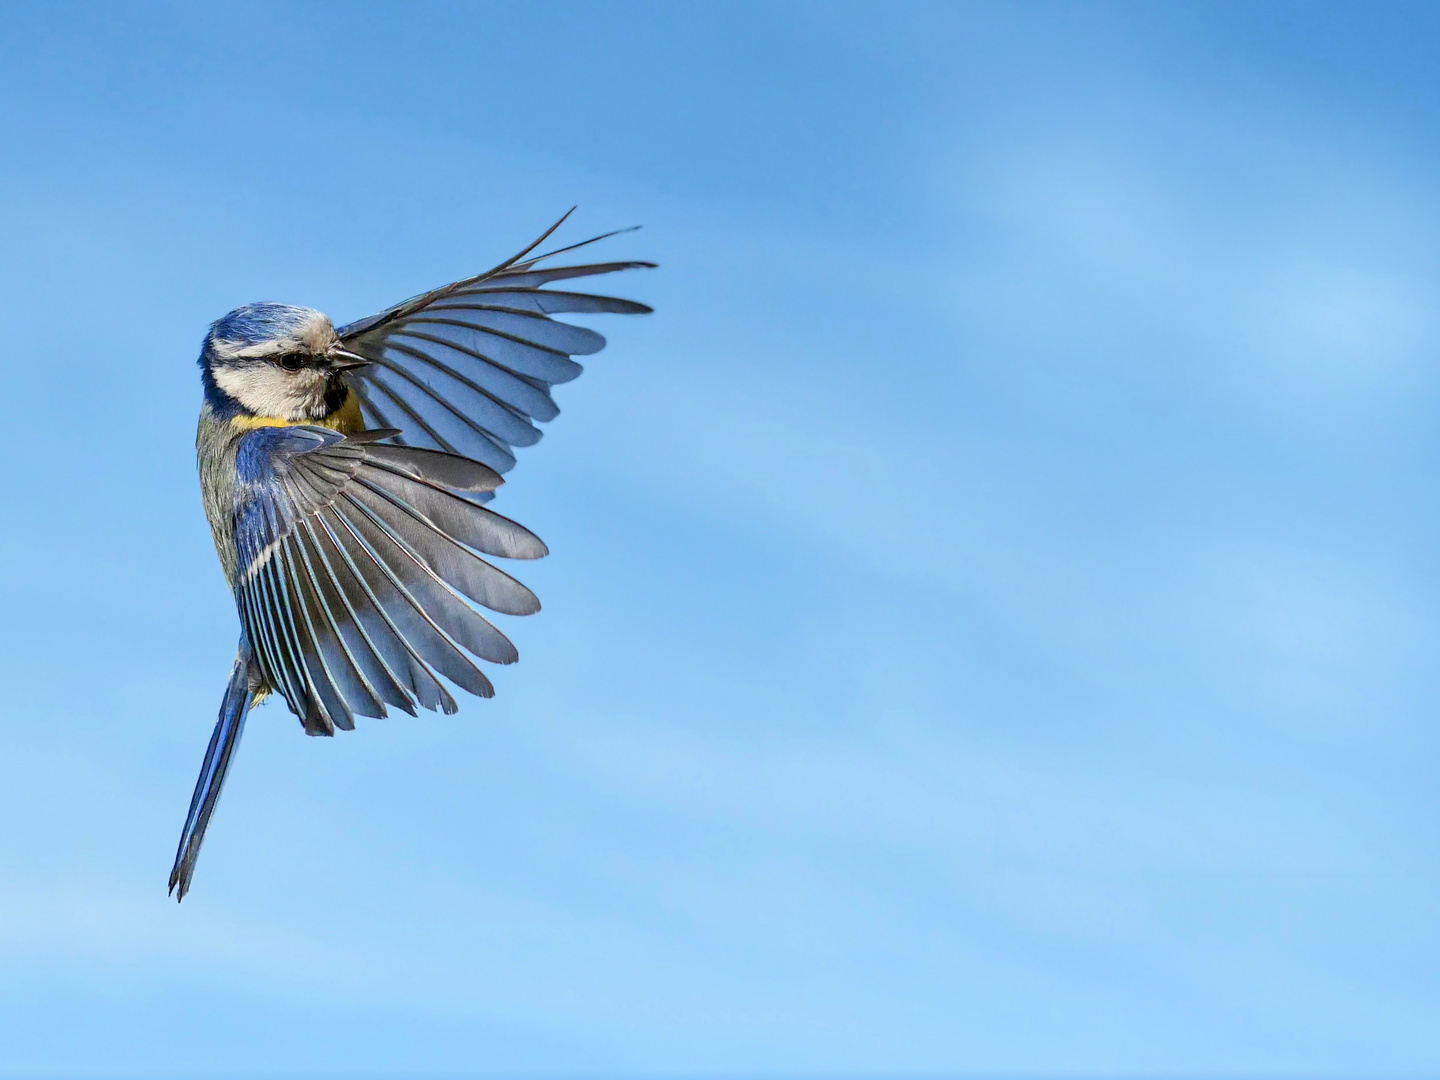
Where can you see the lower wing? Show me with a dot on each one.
(359, 563)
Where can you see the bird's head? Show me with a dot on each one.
(276, 360)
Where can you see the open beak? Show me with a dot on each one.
(345, 360)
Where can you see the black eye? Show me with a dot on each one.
(291, 361)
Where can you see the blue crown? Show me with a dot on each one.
(255, 324)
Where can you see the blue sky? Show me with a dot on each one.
(994, 605)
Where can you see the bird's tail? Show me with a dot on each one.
(234, 706)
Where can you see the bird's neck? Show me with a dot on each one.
(345, 419)
(344, 415)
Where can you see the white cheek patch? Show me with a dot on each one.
(267, 391)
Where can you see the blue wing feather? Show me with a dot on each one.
(358, 564)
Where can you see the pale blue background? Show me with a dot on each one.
(994, 617)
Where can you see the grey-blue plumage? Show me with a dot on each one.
(343, 474)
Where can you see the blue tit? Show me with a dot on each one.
(344, 473)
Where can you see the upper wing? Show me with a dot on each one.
(468, 367)
(355, 559)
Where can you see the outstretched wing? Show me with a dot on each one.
(356, 559)
(468, 368)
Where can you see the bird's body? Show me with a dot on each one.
(343, 474)
(225, 420)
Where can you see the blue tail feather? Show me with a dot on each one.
(228, 727)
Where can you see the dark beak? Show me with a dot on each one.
(345, 360)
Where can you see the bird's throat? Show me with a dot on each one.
(346, 419)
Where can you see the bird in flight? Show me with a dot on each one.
(344, 473)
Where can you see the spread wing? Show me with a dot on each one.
(468, 368)
(356, 560)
